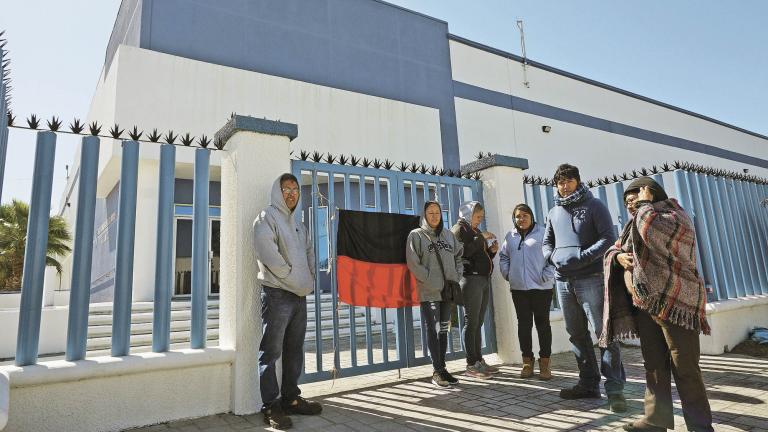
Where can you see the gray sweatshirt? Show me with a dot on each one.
(284, 251)
(422, 260)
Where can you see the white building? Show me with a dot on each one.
(360, 77)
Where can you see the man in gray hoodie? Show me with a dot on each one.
(286, 260)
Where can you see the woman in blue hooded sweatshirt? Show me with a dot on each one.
(531, 280)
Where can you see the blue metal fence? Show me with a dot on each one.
(4, 110)
(731, 226)
(389, 338)
(37, 240)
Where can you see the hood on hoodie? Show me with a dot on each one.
(467, 210)
(276, 198)
(425, 225)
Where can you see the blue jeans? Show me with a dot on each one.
(284, 325)
(581, 300)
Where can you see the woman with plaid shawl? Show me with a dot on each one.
(653, 290)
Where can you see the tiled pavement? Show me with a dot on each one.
(406, 401)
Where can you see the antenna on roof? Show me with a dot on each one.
(525, 58)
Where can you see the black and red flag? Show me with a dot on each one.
(371, 268)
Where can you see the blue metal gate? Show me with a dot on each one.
(345, 340)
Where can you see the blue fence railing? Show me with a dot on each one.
(731, 225)
(4, 109)
(352, 339)
(83, 248)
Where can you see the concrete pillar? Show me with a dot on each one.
(502, 178)
(255, 153)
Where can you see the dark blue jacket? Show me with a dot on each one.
(577, 236)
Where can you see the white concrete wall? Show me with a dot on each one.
(112, 394)
(483, 127)
(731, 321)
(53, 331)
(188, 95)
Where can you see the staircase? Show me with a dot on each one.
(100, 324)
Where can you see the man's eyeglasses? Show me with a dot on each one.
(290, 191)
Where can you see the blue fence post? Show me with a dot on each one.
(200, 270)
(536, 194)
(757, 194)
(550, 197)
(659, 179)
(82, 257)
(331, 221)
(683, 192)
(729, 272)
(754, 232)
(712, 250)
(126, 237)
(161, 323)
(618, 189)
(729, 233)
(3, 123)
(35, 252)
(602, 195)
(738, 213)
(750, 238)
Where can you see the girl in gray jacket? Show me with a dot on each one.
(530, 279)
(424, 244)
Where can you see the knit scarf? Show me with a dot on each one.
(666, 282)
(579, 194)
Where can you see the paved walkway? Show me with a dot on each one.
(388, 401)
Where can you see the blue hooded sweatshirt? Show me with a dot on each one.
(577, 236)
(522, 263)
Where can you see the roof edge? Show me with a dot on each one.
(602, 85)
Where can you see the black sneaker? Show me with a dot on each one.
(579, 392)
(439, 380)
(449, 378)
(617, 403)
(276, 418)
(302, 406)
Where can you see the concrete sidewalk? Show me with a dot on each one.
(406, 401)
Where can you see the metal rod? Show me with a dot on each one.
(33, 278)
(161, 324)
(82, 256)
(126, 236)
(200, 247)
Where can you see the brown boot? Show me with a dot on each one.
(545, 373)
(527, 370)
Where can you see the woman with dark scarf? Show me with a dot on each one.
(531, 280)
(653, 290)
(433, 255)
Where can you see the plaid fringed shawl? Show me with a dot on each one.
(666, 282)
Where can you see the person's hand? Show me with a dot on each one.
(645, 194)
(488, 235)
(626, 260)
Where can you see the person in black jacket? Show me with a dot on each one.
(479, 249)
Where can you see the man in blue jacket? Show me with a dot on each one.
(579, 231)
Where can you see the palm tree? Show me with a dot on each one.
(13, 236)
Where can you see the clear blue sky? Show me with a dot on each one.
(708, 56)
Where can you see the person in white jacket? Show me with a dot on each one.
(531, 281)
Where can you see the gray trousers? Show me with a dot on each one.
(476, 291)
